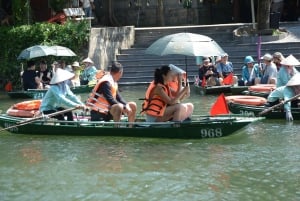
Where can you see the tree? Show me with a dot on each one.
(160, 19)
(263, 15)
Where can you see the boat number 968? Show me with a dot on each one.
(212, 132)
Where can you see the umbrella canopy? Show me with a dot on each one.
(36, 51)
(188, 44)
(62, 51)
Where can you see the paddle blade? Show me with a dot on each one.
(228, 80)
(203, 84)
(220, 106)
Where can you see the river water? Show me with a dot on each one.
(261, 162)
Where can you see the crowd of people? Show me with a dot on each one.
(164, 97)
(33, 78)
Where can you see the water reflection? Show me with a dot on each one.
(261, 162)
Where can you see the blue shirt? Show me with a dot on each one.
(55, 98)
(246, 75)
(283, 93)
(89, 73)
(283, 76)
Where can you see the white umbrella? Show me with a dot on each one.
(188, 44)
(62, 51)
(35, 51)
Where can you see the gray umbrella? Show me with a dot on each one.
(62, 51)
(36, 51)
(188, 44)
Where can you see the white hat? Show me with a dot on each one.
(224, 55)
(290, 61)
(69, 68)
(176, 69)
(87, 60)
(61, 75)
(75, 64)
(294, 81)
(267, 57)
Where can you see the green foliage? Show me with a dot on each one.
(13, 40)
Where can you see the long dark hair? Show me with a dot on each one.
(159, 72)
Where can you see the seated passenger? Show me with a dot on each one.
(60, 96)
(284, 93)
(158, 105)
(106, 101)
(287, 70)
(208, 74)
(268, 70)
(250, 73)
(31, 78)
(45, 74)
(224, 68)
(88, 75)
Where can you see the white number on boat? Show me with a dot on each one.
(247, 113)
(13, 129)
(212, 132)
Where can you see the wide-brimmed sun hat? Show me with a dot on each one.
(290, 61)
(61, 75)
(75, 64)
(294, 81)
(87, 60)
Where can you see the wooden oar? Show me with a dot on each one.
(278, 105)
(21, 123)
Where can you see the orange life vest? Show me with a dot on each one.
(97, 101)
(154, 105)
(25, 109)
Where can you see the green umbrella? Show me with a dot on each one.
(188, 44)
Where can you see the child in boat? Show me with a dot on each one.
(59, 95)
(287, 92)
(159, 105)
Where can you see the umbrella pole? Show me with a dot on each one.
(186, 72)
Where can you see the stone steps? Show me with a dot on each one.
(139, 67)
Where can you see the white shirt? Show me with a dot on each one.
(86, 3)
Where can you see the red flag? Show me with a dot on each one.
(203, 84)
(220, 106)
(228, 80)
(8, 86)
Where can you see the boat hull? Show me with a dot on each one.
(250, 110)
(204, 127)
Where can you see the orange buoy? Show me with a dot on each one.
(247, 100)
(25, 109)
(263, 88)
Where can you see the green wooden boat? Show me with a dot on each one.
(227, 89)
(255, 93)
(198, 127)
(251, 110)
(212, 89)
(39, 93)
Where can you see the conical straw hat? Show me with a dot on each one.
(290, 61)
(61, 75)
(294, 81)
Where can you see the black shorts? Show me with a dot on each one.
(97, 116)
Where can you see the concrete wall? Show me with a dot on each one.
(106, 42)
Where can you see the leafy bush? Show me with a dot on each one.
(13, 40)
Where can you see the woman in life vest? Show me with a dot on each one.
(105, 101)
(59, 96)
(159, 105)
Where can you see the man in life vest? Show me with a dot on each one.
(105, 101)
(159, 105)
